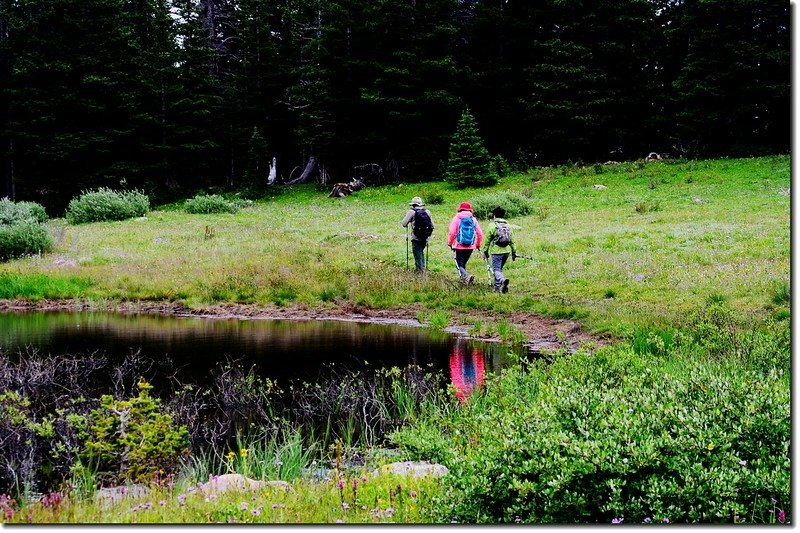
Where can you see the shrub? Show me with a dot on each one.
(104, 204)
(37, 211)
(25, 238)
(15, 213)
(514, 203)
(132, 439)
(596, 437)
(209, 203)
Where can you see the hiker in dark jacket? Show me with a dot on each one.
(464, 236)
(418, 216)
(498, 246)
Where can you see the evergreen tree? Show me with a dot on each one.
(469, 163)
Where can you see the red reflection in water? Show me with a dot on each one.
(466, 370)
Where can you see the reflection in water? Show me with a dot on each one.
(190, 349)
(466, 369)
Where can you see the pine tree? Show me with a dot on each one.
(469, 163)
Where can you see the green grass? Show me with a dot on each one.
(38, 286)
(721, 228)
(384, 498)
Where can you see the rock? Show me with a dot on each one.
(698, 200)
(599, 187)
(106, 497)
(414, 469)
(652, 156)
(238, 482)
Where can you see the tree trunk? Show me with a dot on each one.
(273, 171)
(306, 175)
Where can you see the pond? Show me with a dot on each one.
(282, 350)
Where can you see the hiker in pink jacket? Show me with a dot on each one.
(464, 236)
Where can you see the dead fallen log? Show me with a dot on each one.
(340, 190)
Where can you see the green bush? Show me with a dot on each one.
(131, 440)
(514, 203)
(591, 438)
(106, 204)
(210, 203)
(25, 238)
(15, 213)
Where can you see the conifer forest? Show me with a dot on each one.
(175, 96)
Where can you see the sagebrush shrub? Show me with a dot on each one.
(25, 238)
(514, 203)
(17, 212)
(204, 204)
(104, 204)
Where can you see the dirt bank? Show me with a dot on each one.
(542, 333)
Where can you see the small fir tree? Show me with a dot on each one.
(469, 163)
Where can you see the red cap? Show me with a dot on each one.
(465, 206)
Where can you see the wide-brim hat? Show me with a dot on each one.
(465, 206)
(416, 201)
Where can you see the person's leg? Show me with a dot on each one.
(504, 282)
(419, 254)
(497, 267)
(462, 256)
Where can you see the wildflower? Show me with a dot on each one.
(339, 521)
(162, 503)
(243, 452)
(9, 513)
(781, 516)
(212, 496)
(243, 506)
(773, 500)
(345, 506)
(617, 520)
(413, 494)
(230, 456)
(255, 512)
(743, 462)
(279, 463)
(363, 479)
(190, 489)
(647, 519)
(665, 520)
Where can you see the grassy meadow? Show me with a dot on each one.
(685, 418)
(659, 239)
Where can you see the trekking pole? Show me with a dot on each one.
(489, 270)
(406, 247)
(427, 264)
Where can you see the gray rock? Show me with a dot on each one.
(238, 482)
(108, 496)
(414, 469)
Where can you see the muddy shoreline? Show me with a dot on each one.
(542, 333)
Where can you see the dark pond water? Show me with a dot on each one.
(279, 349)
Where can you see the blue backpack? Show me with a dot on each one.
(466, 231)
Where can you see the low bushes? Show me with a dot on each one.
(210, 203)
(106, 204)
(18, 212)
(22, 230)
(617, 436)
(515, 204)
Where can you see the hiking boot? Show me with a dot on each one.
(505, 286)
(470, 279)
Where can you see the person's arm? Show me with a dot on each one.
(479, 231)
(451, 237)
(408, 218)
(489, 238)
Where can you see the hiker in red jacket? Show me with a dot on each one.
(465, 235)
